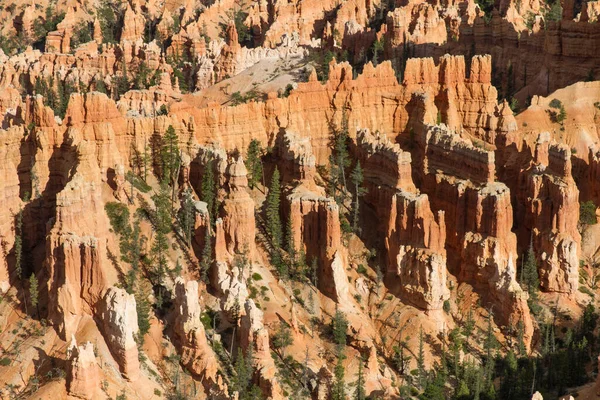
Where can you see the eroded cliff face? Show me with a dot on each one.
(550, 201)
(460, 179)
(456, 187)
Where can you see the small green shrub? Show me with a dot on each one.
(118, 214)
(256, 276)
(5, 361)
(587, 213)
(555, 103)
(361, 269)
(447, 306)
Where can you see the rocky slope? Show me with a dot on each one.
(298, 199)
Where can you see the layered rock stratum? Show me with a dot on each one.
(301, 199)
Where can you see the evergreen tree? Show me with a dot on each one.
(187, 215)
(273, 220)
(314, 277)
(208, 191)
(290, 247)
(282, 338)
(339, 328)
(162, 222)
(19, 244)
(421, 361)
(488, 347)
(254, 163)
(360, 393)
(33, 291)
(338, 391)
(170, 158)
(356, 177)
(143, 307)
(339, 159)
(529, 274)
(206, 256)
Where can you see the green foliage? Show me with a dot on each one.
(109, 15)
(238, 17)
(208, 191)
(137, 182)
(169, 156)
(252, 95)
(142, 80)
(356, 177)
(282, 338)
(321, 62)
(421, 361)
(33, 291)
(446, 306)
(360, 392)
(162, 227)
(256, 276)
(206, 260)
(243, 374)
(5, 361)
(339, 160)
(118, 215)
(555, 103)
(529, 276)
(339, 328)
(377, 49)
(163, 110)
(273, 222)
(81, 34)
(56, 93)
(19, 243)
(187, 215)
(254, 163)
(143, 307)
(554, 11)
(587, 213)
(487, 6)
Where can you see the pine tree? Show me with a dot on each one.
(208, 191)
(33, 291)
(254, 163)
(143, 307)
(282, 338)
(338, 391)
(19, 244)
(530, 277)
(339, 159)
(421, 361)
(162, 221)
(290, 247)
(360, 393)
(273, 220)
(187, 215)
(488, 347)
(170, 156)
(356, 177)
(206, 256)
(314, 272)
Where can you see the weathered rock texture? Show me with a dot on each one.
(84, 373)
(550, 212)
(119, 327)
(196, 353)
(414, 236)
(253, 333)
(479, 210)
